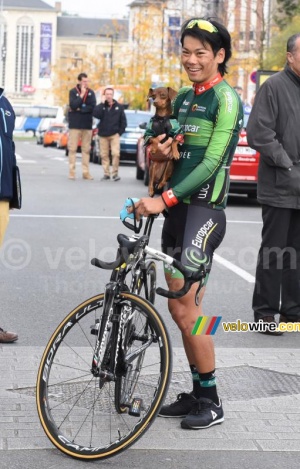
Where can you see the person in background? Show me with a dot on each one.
(82, 101)
(111, 126)
(239, 91)
(7, 162)
(273, 130)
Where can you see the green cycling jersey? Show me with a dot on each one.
(211, 122)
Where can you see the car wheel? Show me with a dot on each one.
(139, 173)
(252, 195)
(67, 151)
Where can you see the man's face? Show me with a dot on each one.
(199, 61)
(84, 82)
(109, 94)
(293, 58)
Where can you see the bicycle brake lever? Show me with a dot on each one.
(125, 214)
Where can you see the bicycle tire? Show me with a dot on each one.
(128, 374)
(78, 417)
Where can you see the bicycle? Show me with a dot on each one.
(106, 369)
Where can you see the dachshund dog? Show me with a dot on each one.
(162, 122)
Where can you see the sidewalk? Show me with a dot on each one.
(260, 389)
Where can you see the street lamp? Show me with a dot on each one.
(110, 36)
(74, 59)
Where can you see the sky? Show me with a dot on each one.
(95, 8)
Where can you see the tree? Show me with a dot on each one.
(67, 69)
(286, 10)
(276, 54)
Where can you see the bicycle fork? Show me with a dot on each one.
(103, 352)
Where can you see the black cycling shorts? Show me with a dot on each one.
(191, 233)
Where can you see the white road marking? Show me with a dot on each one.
(20, 159)
(234, 268)
(229, 265)
(27, 161)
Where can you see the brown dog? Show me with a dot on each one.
(162, 122)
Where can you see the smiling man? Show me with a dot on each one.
(210, 112)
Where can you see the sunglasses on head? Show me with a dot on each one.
(202, 24)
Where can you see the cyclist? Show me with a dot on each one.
(211, 115)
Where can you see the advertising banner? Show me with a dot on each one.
(45, 50)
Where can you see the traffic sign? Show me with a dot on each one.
(253, 76)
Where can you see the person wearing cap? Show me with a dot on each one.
(211, 115)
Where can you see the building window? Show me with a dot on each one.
(24, 54)
(174, 26)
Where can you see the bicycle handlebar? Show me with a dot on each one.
(189, 277)
(106, 265)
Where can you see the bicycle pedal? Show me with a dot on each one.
(135, 407)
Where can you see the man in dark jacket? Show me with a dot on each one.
(112, 124)
(273, 130)
(7, 162)
(82, 101)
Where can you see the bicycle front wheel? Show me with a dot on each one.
(81, 418)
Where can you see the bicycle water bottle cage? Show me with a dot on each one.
(124, 214)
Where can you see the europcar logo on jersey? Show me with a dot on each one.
(196, 107)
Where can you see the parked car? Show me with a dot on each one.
(41, 129)
(62, 140)
(243, 171)
(136, 124)
(142, 162)
(62, 143)
(51, 135)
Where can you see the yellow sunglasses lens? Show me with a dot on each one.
(202, 24)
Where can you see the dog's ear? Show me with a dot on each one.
(150, 93)
(172, 93)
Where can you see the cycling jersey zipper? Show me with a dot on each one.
(4, 120)
(1, 148)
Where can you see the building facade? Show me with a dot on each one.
(38, 44)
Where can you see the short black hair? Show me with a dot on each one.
(81, 76)
(217, 40)
(291, 42)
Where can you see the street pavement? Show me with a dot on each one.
(253, 424)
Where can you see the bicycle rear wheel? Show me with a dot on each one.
(80, 418)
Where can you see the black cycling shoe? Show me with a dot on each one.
(204, 414)
(180, 408)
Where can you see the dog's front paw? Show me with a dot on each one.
(175, 152)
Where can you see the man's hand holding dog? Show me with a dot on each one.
(160, 151)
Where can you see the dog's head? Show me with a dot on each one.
(162, 97)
